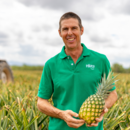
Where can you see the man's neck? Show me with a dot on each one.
(75, 53)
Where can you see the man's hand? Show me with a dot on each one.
(72, 122)
(45, 107)
(99, 119)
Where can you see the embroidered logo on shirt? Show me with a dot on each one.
(90, 66)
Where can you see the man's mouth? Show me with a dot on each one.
(70, 39)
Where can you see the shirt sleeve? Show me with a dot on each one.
(46, 85)
(107, 69)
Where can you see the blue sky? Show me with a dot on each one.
(29, 29)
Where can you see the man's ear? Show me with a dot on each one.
(59, 33)
(82, 30)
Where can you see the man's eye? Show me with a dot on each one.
(74, 28)
(64, 28)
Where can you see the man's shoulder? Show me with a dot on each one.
(53, 59)
(96, 54)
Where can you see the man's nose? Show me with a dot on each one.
(69, 32)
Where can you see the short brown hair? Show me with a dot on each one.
(70, 15)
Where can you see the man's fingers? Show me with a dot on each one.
(99, 119)
(75, 125)
(93, 124)
(76, 121)
(70, 117)
(73, 113)
(105, 110)
(71, 121)
(102, 114)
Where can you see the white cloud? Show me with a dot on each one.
(21, 24)
(29, 34)
(110, 36)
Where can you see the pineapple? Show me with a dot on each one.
(94, 105)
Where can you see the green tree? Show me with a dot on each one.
(118, 68)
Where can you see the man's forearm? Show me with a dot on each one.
(112, 98)
(45, 107)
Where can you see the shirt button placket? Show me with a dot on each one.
(71, 62)
(73, 66)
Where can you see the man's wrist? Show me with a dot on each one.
(59, 113)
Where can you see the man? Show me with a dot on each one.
(70, 77)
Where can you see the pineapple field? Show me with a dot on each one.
(18, 104)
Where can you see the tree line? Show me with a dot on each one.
(27, 67)
(118, 68)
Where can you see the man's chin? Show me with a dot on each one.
(71, 45)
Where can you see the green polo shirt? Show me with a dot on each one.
(70, 84)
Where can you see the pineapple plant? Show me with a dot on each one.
(93, 106)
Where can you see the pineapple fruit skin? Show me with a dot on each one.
(92, 108)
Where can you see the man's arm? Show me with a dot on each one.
(109, 102)
(112, 98)
(45, 107)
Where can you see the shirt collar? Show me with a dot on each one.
(85, 52)
(62, 53)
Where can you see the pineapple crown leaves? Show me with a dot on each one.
(104, 88)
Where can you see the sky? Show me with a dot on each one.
(29, 29)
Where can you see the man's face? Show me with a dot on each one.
(71, 33)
